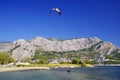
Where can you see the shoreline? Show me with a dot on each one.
(106, 65)
(40, 67)
(8, 69)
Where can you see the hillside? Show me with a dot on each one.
(83, 48)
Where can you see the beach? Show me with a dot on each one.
(22, 68)
(41, 67)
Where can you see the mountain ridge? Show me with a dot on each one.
(21, 48)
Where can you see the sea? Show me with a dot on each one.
(95, 73)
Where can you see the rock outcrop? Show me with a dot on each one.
(64, 45)
(105, 48)
(22, 50)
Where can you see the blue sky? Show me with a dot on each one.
(80, 18)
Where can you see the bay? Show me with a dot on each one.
(95, 73)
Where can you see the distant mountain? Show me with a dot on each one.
(21, 48)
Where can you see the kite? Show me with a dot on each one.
(56, 10)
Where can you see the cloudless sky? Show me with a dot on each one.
(80, 18)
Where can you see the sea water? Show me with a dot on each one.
(95, 73)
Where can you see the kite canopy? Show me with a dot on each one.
(57, 10)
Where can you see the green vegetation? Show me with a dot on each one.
(76, 61)
(116, 54)
(20, 65)
(67, 57)
(83, 64)
(114, 58)
(79, 58)
(112, 62)
(5, 58)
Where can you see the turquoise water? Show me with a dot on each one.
(96, 73)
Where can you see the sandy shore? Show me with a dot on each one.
(23, 68)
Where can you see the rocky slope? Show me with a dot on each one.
(66, 45)
(21, 48)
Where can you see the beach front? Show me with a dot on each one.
(22, 68)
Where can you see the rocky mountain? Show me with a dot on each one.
(63, 45)
(21, 48)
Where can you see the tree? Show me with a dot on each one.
(5, 58)
(75, 61)
(37, 55)
(83, 64)
(41, 61)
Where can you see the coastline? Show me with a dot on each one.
(106, 65)
(8, 69)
